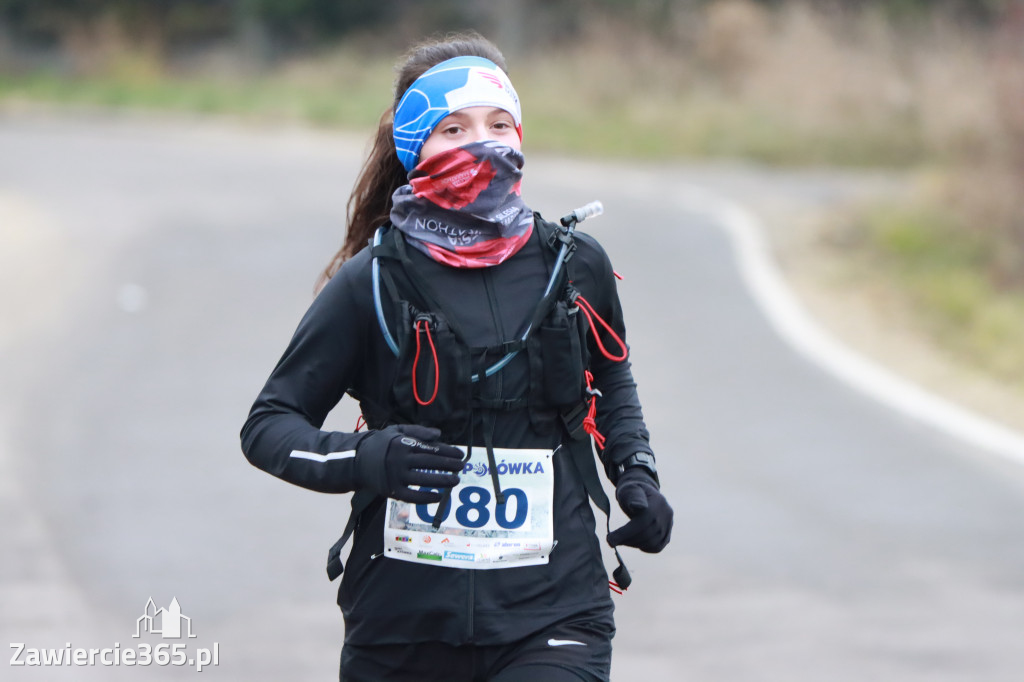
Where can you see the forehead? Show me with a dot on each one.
(477, 112)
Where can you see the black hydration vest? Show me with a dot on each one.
(438, 374)
(437, 381)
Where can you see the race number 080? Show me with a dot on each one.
(474, 508)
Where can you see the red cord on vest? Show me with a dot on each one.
(360, 423)
(614, 587)
(416, 360)
(589, 311)
(590, 421)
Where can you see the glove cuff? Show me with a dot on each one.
(368, 468)
(638, 474)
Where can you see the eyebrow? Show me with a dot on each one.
(461, 113)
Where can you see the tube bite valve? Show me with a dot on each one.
(594, 208)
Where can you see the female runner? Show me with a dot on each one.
(486, 347)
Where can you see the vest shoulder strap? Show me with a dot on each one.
(582, 457)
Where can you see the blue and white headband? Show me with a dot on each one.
(444, 89)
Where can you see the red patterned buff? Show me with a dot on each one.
(463, 208)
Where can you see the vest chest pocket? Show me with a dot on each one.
(432, 386)
(558, 359)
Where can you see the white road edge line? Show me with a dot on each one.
(784, 312)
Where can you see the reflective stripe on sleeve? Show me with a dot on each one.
(317, 457)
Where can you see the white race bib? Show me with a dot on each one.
(476, 532)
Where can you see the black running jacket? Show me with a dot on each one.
(338, 348)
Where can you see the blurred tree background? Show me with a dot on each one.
(66, 31)
(933, 88)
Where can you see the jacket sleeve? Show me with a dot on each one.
(619, 415)
(282, 434)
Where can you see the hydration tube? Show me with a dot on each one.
(376, 297)
(569, 222)
(594, 208)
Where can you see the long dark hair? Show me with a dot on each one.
(369, 205)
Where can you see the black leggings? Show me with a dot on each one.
(575, 650)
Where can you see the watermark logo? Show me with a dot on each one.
(169, 623)
(164, 622)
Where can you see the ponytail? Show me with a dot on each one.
(369, 205)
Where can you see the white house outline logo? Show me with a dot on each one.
(163, 622)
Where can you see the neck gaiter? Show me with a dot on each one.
(463, 208)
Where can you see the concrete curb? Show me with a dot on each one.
(784, 312)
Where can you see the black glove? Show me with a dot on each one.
(650, 518)
(392, 460)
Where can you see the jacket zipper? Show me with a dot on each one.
(499, 327)
(492, 298)
(472, 605)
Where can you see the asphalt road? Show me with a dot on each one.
(153, 273)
